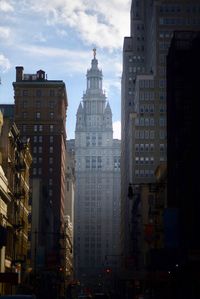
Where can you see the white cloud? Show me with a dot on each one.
(66, 58)
(117, 129)
(39, 37)
(4, 63)
(103, 23)
(77, 61)
(61, 32)
(5, 6)
(4, 32)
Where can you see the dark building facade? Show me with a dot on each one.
(15, 206)
(144, 121)
(183, 64)
(40, 114)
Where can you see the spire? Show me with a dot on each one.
(108, 109)
(94, 52)
(80, 109)
(94, 76)
(94, 60)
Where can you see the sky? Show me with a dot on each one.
(58, 36)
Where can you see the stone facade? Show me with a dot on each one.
(97, 197)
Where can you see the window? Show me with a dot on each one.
(37, 115)
(152, 160)
(151, 172)
(35, 128)
(40, 128)
(141, 121)
(51, 128)
(24, 128)
(38, 104)
(24, 115)
(87, 162)
(146, 134)
(162, 96)
(38, 92)
(146, 83)
(141, 147)
(99, 140)
(142, 160)
(151, 83)
(141, 172)
(40, 149)
(136, 172)
(141, 134)
(51, 160)
(116, 163)
(151, 147)
(142, 96)
(152, 134)
(136, 147)
(51, 149)
(35, 149)
(162, 134)
(162, 83)
(25, 104)
(34, 139)
(40, 139)
(162, 108)
(25, 92)
(162, 147)
(152, 122)
(99, 162)
(51, 114)
(137, 121)
(146, 96)
(52, 92)
(93, 162)
(142, 109)
(137, 132)
(151, 108)
(51, 139)
(51, 104)
(146, 122)
(162, 121)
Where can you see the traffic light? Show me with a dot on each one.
(108, 270)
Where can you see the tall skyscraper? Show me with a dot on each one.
(97, 197)
(183, 63)
(144, 94)
(40, 114)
